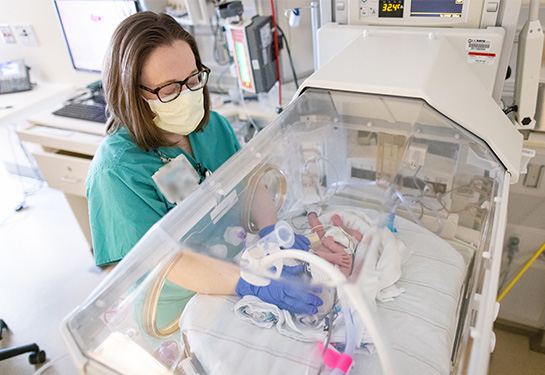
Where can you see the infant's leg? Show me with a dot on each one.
(316, 225)
(337, 221)
(333, 246)
(342, 259)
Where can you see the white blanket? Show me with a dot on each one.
(420, 324)
(265, 315)
(226, 344)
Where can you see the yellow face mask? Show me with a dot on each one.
(180, 116)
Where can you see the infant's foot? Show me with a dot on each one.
(345, 260)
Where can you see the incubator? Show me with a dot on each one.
(411, 167)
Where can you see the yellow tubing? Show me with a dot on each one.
(526, 266)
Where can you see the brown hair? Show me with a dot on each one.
(132, 42)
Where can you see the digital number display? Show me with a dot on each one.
(390, 8)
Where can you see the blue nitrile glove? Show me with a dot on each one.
(301, 242)
(296, 299)
(293, 270)
(290, 271)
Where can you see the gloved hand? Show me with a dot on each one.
(301, 242)
(296, 299)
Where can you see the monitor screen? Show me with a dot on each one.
(10, 69)
(437, 8)
(88, 25)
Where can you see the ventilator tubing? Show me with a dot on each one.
(281, 236)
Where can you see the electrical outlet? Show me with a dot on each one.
(7, 35)
(25, 34)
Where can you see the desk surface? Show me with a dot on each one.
(13, 106)
(45, 117)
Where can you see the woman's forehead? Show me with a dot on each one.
(167, 63)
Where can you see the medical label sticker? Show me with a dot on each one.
(482, 45)
(481, 58)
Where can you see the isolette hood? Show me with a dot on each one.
(417, 63)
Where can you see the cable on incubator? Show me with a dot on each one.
(246, 110)
(511, 108)
(477, 184)
(277, 53)
(283, 36)
(218, 34)
(409, 209)
(524, 269)
(220, 77)
(324, 197)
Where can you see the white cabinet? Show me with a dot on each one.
(67, 148)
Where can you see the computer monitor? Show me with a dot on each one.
(88, 25)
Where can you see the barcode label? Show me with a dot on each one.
(478, 45)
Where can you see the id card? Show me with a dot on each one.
(176, 179)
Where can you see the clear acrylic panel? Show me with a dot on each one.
(397, 202)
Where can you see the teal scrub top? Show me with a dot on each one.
(124, 201)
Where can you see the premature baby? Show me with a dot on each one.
(338, 242)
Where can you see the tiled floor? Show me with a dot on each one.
(46, 269)
(513, 357)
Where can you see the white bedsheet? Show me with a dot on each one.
(420, 323)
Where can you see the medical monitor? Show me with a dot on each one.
(437, 8)
(419, 13)
(87, 26)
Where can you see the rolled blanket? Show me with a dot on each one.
(265, 315)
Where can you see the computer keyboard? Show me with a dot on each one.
(89, 112)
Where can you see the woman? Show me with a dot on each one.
(155, 86)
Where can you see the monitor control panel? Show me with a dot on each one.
(441, 13)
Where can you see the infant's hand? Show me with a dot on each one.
(328, 242)
(337, 221)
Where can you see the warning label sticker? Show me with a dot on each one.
(478, 45)
(481, 58)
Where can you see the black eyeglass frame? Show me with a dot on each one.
(181, 83)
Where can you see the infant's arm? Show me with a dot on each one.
(336, 219)
(316, 225)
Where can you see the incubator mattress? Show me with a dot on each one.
(420, 324)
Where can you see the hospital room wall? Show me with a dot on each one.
(49, 61)
(299, 41)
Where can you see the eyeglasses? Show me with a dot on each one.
(172, 90)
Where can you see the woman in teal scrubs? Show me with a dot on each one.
(159, 108)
